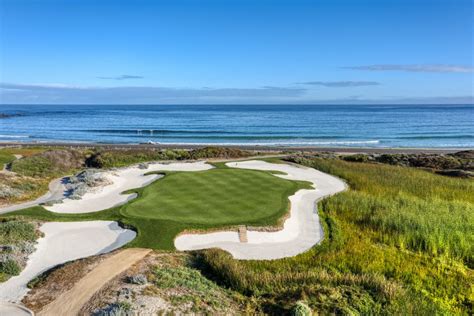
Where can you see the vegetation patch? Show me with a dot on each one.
(17, 239)
(399, 241)
(121, 158)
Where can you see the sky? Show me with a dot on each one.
(230, 52)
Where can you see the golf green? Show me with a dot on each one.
(220, 196)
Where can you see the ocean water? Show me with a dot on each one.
(417, 126)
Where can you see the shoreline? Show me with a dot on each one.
(123, 146)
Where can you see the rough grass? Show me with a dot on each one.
(5, 158)
(398, 242)
(13, 232)
(7, 155)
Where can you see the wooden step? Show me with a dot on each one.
(243, 233)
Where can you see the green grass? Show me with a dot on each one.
(220, 197)
(215, 197)
(5, 158)
(7, 154)
(399, 241)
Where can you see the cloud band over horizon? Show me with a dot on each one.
(12, 93)
(441, 68)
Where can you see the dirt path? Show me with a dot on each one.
(70, 302)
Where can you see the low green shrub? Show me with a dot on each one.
(301, 309)
(9, 267)
(15, 231)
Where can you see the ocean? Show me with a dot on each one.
(414, 126)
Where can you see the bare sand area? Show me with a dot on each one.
(122, 180)
(63, 242)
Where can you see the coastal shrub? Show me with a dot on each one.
(116, 309)
(50, 163)
(14, 231)
(218, 152)
(7, 192)
(356, 158)
(137, 279)
(122, 158)
(9, 267)
(301, 309)
(34, 166)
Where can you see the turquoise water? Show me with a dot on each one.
(273, 125)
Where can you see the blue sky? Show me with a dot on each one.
(320, 51)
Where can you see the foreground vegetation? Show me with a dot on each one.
(17, 238)
(398, 242)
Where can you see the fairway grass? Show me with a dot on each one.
(202, 200)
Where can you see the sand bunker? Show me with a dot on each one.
(122, 180)
(63, 242)
(301, 231)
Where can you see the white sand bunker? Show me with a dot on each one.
(63, 242)
(301, 231)
(121, 180)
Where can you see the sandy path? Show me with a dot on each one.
(122, 180)
(56, 191)
(63, 242)
(70, 302)
(301, 231)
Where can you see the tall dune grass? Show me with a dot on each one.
(400, 241)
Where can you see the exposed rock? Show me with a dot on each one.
(85, 182)
(5, 115)
(143, 166)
